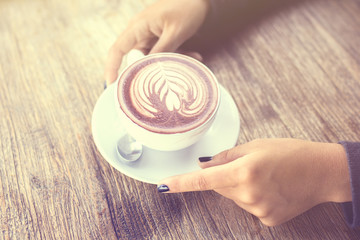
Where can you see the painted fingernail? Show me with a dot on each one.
(105, 85)
(205, 159)
(163, 188)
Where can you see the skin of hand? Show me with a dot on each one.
(273, 179)
(162, 27)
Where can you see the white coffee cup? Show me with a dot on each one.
(157, 140)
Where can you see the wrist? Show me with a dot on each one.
(337, 177)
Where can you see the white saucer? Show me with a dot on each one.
(156, 165)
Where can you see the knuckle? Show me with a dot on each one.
(271, 218)
(200, 183)
(250, 199)
(228, 154)
(252, 189)
(250, 173)
(269, 222)
(222, 155)
(262, 212)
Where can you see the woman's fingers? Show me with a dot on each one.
(125, 42)
(205, 179)
(222, 158)
(161, 27)
(168, 41)
(140, 38)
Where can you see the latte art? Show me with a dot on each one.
(161, 88)
(168, 94)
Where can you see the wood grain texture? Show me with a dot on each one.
(293, 70)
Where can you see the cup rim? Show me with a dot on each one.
(210, 118)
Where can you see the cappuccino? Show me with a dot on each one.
(168, 93)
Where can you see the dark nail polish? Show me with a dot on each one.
(105, 85)
(205, 159)
(163, 188)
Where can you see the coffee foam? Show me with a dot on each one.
(168, 94)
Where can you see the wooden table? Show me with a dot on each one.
(293, 70)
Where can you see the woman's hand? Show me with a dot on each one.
(274, 179)
(162, 27)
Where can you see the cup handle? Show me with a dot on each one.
(134, 55)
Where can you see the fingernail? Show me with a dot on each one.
(163, 188)
(105, 85)
(205, 159)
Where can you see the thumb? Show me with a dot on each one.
(169, 41)
(206, 179)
